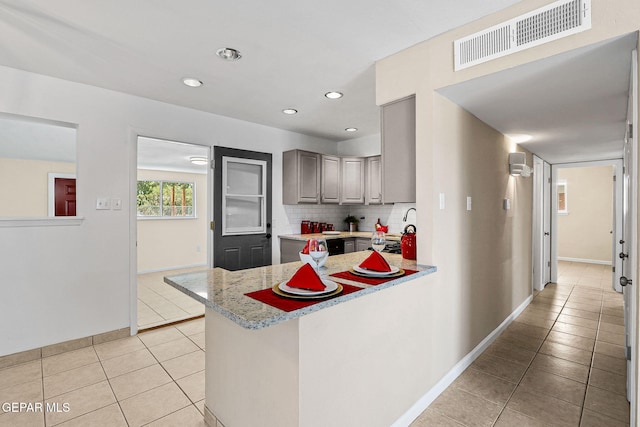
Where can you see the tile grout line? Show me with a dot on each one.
(532, 359)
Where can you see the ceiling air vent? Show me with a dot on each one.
(552, 22)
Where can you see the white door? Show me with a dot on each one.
(629, 246)
(546, 224)
(541, 228)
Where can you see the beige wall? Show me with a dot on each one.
(483, 256)
(584, 233)
(25, 188)
(171, 243)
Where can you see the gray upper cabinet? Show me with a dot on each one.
(399, 151)
(300, 177)
(352, 186)
(330, 179)
(373, 185)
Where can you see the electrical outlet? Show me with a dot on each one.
(116, 204)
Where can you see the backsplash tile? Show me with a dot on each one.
(390, 215)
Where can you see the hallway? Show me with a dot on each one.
(560, 363)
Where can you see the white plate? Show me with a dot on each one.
(330, 287)
(361, 270)
(331, 233)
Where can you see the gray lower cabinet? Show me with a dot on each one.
(399, 151)
(330, 179)
(352, 186)
(373, 184)
(300, 177)
(362, 244)
(349, 246)
(289, 250)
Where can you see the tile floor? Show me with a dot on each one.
(155, 378)
(159, 303)
(561, 363)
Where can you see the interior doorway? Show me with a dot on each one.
(586, 208)
(172, 200)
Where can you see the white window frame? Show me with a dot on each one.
(169, 217)
(262, 197)
(564, 183)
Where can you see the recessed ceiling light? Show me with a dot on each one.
(290, 111)
(351, 129)
(190, 81)
(519, 137)
(333, 95)
(197, 160)
(228, 54)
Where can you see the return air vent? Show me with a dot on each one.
(552, 22)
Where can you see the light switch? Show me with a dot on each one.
(103, 204)
(116, 204)
(506, 204)
(468, 203)
(441, 201)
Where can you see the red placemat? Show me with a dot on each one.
(368, 280)
(267, 296)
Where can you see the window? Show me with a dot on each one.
(244, 188)
(166, 199)
(562, 196)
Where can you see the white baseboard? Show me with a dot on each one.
(585, 261)
(423, 403)
(177, 267)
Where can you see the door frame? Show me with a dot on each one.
(632, 116)
(541, 186)
(134, 134)
(51, 189)
(617, 213)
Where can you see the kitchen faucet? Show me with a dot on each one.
(407, 213)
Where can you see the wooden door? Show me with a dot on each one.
(330, 179)
(65, 197)
(242, 209)
(352, 177)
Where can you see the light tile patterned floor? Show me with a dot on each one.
(160, 304)
(155, 378)
(561, 363)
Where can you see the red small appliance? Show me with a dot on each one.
(408, 242)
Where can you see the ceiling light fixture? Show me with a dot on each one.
(228, 54)
(333, 95)
(197, 160)
(290, 111)
(191, 82)
(351, 130)
(519, 138)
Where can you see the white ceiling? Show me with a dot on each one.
(293, 51)
(574, 105)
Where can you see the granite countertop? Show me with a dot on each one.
(342, 235)
(223, 290)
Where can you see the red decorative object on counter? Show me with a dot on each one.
(315, 227)
(380, 227)
(305, 227)
(408, 242)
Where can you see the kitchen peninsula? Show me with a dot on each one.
(330, 363)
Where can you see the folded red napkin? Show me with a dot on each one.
(305, 250)
(306, 278)
(375, 262)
